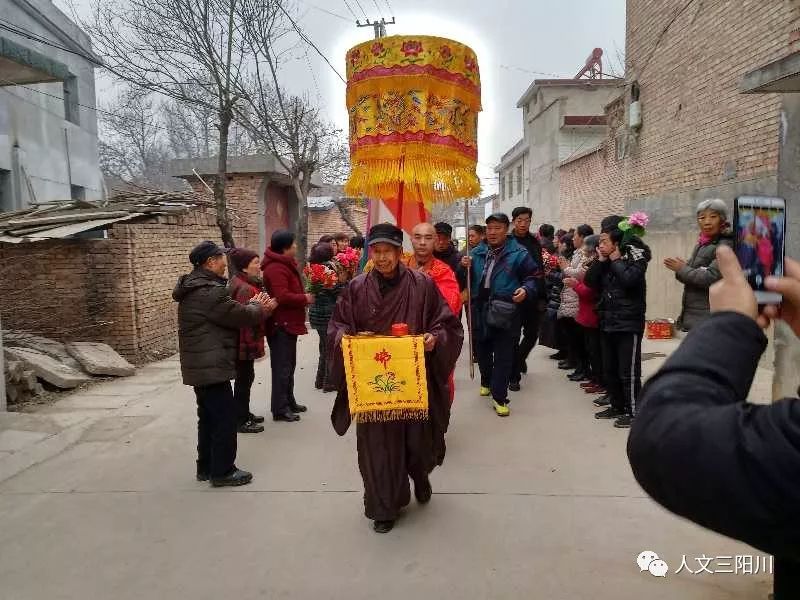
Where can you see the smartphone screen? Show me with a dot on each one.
(760, 242)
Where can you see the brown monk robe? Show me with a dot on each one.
(391, 452)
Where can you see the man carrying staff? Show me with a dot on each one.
(391, 451)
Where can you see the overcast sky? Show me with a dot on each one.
(512, 39)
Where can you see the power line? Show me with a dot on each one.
(389, 6)
(352, 12)
(30, 35)
(515, 68)
(361, 8)
(308, 41)
(378, 8)
(325, 10)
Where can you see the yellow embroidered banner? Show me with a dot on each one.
(413, 104)
(386, 378)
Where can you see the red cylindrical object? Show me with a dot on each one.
(399, 329)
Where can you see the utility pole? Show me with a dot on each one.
(379, 26)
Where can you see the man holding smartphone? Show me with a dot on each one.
(702, 451)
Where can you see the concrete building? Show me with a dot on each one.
(48, 132)
(561, 118)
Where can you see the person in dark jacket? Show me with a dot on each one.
(702, 451)
(619, 277)
(319, 315)
(208, 336)
(445, 250)
(546, 234)
(700, 272)
(283, 282)
(504, 275)
(243, 287)
(533, 308)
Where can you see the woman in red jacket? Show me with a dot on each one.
(283, 282)
(243, 287)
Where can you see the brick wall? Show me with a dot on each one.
(698, 129)
(56, 288)
(158, 252)
(330, 222)
(116, 290)
(591, 188)
(242, 194)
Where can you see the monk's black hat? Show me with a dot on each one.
(386, 233)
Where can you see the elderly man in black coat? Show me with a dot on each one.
(208, 335)
(702, 451)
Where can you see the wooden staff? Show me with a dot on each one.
(469, 293)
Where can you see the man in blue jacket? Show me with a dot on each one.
(504, 275)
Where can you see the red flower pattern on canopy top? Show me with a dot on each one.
(446, 52)
(377, 49)
(411, 48)
(383, 357)
(471, 65)
(355, 56)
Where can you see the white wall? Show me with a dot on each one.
(52, 151)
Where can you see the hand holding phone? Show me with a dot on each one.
(760, 230)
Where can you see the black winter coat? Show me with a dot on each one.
(554, 284)
(698, 448)
(622, 288)
(208, 327)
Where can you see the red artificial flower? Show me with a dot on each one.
(411, 48)
(377, 49)
(383, 357)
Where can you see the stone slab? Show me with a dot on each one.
(49, 369)
(45, 345)
(100, 359)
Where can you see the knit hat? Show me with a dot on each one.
(241, 257)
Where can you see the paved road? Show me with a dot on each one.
(540, 505)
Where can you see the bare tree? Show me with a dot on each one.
(132, 143)
(191, 51)
(288, 125)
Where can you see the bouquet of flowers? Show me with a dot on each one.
(636, 224)
(318, 278)
(349, 258)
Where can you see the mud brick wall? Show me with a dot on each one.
(591, 188)
(330, 222)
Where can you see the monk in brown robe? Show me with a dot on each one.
(390, 452)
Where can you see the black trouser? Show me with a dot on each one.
(786, 579)
(496, 349)
(576, 345)
(531, 320)
(622, 368)
(562, 341)
(216, 429)
(283, 360)
(322, 364)
(245, 375)
(594, 349)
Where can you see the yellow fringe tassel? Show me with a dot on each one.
(387, 416)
